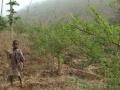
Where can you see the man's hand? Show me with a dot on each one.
(9, 53)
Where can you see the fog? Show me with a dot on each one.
(47, 10)
(54, 9)
(23, 4)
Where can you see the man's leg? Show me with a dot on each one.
(20, 67)
(11, 80)
(20, 79)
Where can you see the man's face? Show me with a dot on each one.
(15, 45)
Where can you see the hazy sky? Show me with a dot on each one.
(23, 3)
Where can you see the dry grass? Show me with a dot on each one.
(6, 42)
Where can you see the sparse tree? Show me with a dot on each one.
(11, 16)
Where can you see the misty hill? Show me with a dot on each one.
(55, 9)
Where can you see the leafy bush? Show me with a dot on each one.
(2, 23)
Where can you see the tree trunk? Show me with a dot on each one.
(2, 8)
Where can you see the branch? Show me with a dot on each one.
(89, 33)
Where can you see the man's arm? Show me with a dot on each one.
(22, 56)
(9, 54)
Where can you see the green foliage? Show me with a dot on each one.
(12, 12)
(115, 4)
(13, 3)
(2, 23)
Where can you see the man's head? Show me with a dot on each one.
(15, 44)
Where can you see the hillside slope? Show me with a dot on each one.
(55, 9)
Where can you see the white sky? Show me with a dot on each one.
(23, 3)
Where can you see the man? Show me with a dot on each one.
(16, 62)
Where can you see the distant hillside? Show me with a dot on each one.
(54, 9)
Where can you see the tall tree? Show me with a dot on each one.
(11, 17)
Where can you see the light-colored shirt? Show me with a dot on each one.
(16, 61)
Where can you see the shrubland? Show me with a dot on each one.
(96, 40)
